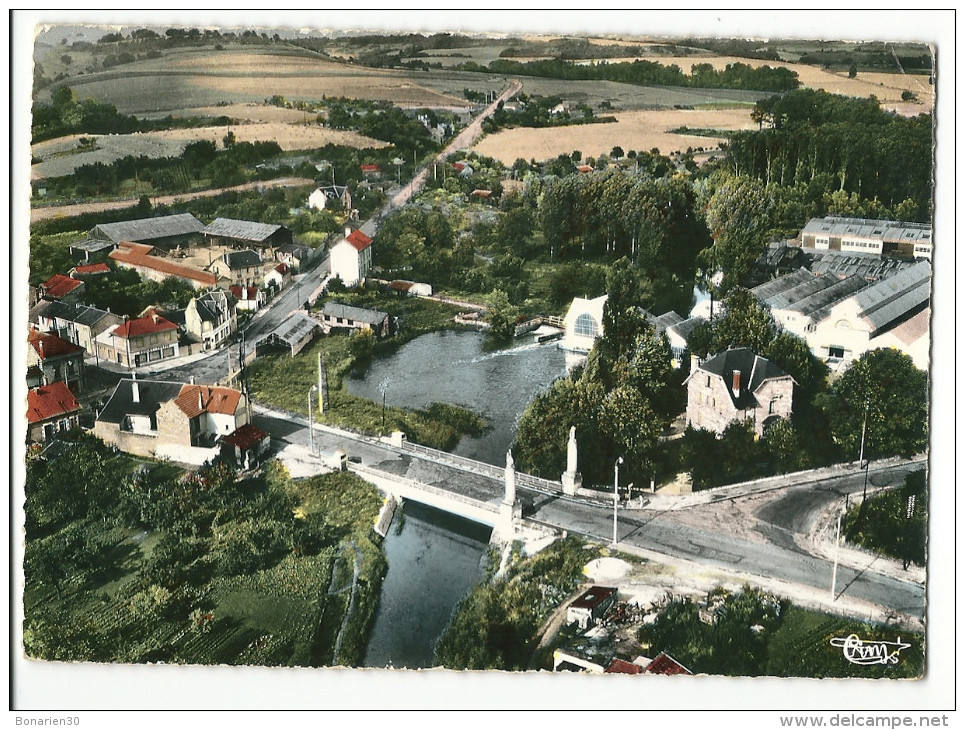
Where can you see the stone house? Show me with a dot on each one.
(239, 267)
(50, 409)
(139, 341)
(51, 359)
(351, 258)
(212, 318)
(738, 385)
(336, 316)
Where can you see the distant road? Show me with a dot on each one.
(66, 211)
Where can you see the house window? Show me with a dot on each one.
(585, 326)
(708, 381)
(835, 351)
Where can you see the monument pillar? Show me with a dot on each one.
(511, 508)
(572, 480)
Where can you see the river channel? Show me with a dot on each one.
(455, 367)
(436, 558)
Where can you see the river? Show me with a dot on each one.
(455, 367)
(434, 560)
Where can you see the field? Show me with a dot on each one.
(636, 130)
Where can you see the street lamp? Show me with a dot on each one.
(383, 386)
(837, 544)
(616, 484)
(861, 462)
(311, 428)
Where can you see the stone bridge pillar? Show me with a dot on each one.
(510, 509)
(572, 480)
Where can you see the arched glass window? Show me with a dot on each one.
(585, 326)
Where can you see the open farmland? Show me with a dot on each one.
(57, 156)
(636, 130)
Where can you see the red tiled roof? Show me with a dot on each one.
(359, 240)
(282, 268)
(370, 168)
(196, 399)
(245, 437)
(138, 255)
(584, 168)
(236, 290)
(149, 325)
(100, 268)
(618, 666)
(481, 193)
(593, 597)
(666, 664)
(50, 401)
(400, 285)
(48, 345)
(58, 286)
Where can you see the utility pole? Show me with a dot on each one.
(311, 428)
(837, 543)
(616, 484)
(861, 461)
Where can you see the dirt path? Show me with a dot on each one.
(66, 211)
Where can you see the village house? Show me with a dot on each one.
(51, 408)
(169, 231)
(61, 288)
(738, 385)
(239, 267)
(89, 271)
(139, 341)
(351, 258)
(294, 334)
(212, 318)
(860, 235)
(322, 196)
(91, 250)
(138, 256)
(250, 298)
(583, 324)
(279, 276)
(76, 323)
(411, 288)
(294, 255)
(51, 359)
(247, 234)
(343, 316)
(147, 417)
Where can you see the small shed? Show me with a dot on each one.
(591, 606)
(246, 446)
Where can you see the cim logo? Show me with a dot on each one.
(859, 651)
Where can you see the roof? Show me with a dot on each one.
(50, 401)
(283, 268)
(370, 168)
(891, 231)
(211, 304)
(141, 326)
(815, 297)
(890, 299)
(664, 321)
(245, 437)
(148, 229)
(356, 314)
(47, 345)
(754, 369)
(151, 394)
(242, 259)
(684, 328)
(100, 268)
(82, 314)
(867, 265)
(245, 230)
(138, 255)
(92, 245)
(193, 400)
(238, 294)
(293, 329)
(584, 168)
(914, 328)
(782, 284)
(296, 248)
(358, 240)
(401, 285)
(59, 285)
(619, 666)
(481, 193)
(666, 664)
(593, 597)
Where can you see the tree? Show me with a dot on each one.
(852, 71)
(502, 315)
(883, 395)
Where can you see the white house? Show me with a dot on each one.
(320, 197)
(351, 258)
(583, 324)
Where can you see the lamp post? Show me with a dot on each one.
(616, 484)
(837, 543)
(861, 462)
(311, 428)
(383, 386)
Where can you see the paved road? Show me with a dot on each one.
(650, 530)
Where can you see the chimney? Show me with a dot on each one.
(154, 317)
(40, 346)
(348, 231)
(191, 380)
(200, 400)
(736, 387)
(244, 292)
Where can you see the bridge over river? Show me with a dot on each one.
(476, 490)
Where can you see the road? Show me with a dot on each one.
(779, 556)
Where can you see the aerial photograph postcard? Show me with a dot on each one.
(495, 356)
